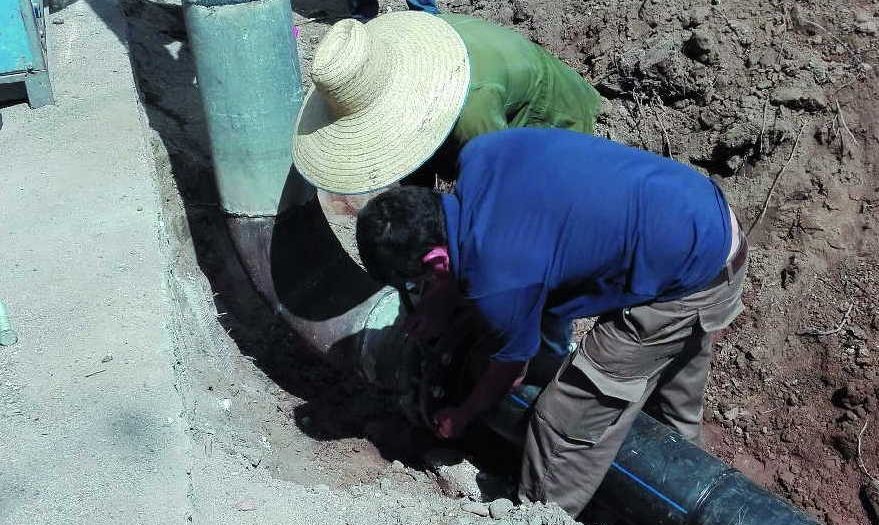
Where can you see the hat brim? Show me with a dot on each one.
(403, 126)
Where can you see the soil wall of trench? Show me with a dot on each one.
(775, 100)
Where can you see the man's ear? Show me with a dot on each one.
(437, 259)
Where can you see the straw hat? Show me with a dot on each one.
(386, 95)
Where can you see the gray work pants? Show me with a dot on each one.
(659, 352)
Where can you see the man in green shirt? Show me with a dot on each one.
(390, 93)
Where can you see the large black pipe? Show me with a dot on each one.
(660, 478)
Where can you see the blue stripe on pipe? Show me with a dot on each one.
(519, 401)
(631, 475)
(650, 488)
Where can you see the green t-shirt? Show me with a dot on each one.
(516, 83)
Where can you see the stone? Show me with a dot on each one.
(865, 24)
(500, 508)
(454, 473)
(535, 520)
(702, 47)
(475, 507)
(796, 97)
(695, 17)
(857, 332)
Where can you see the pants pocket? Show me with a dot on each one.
(575, 407)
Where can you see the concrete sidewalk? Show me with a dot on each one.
(91, 425)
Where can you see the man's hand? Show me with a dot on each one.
(450, 423)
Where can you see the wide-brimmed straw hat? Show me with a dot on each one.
(386, 95)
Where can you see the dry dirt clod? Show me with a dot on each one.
(702, 47)
(500, 508)
(474, 507)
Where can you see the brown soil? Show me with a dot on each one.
(744, 91)
(724, 87)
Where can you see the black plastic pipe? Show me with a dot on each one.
(660, 478)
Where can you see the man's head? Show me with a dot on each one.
(401, 235)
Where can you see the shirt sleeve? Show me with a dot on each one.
(483, 112)
(514, 316)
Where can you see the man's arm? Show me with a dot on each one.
(515, 316)
(493, 385)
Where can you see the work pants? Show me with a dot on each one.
(659, 352)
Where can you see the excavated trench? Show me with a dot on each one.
(693, 82)
(307, 422)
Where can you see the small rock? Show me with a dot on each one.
(857, 332)
(867, 27)
(397, 465)
(535, 520)
(500, 508)
(58, 21)
(795, 97)
(702, 47)
(107, 358)
(695, 17)
(732, 413)
(733, 163)
(474, 507)
(454, 473)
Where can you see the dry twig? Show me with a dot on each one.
(775, 181)
(762, 130)
(860, 457)
(840, 326)
(841, 119)
(657, 103)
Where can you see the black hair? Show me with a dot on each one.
(396, 229)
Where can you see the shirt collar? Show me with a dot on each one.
(452, 211)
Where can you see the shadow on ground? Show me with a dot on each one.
(335, 406)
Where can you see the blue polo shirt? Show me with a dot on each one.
(554, 222)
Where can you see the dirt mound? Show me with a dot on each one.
(767, 98)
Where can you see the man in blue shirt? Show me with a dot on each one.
(547, 226)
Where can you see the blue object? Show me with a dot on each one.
(553, 222)
(22, 49)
